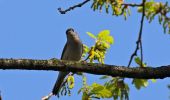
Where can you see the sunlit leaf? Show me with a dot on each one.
(91, 35)
(140, 83)
(70, 81)
(153, 80)
(110, 39)
(138, 61)
(103, 33)
(100, 91)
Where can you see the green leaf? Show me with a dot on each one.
(106, 45)
(85, 96)
(110, 39)
(98, 51)
(153, 80)
(105, 36)
(84, 79)
(100, 91)
(70, 81)
(97, 87)
(140, 83)
(85, 50)
(91, 35)
(105, 93)
(129, 12)
(138, 61)
(103, 33)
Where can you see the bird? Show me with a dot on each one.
(72, 51)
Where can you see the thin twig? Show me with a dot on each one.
(139, 41)
(73, 7)
(141, 29)
(132, 4)
(141, 54)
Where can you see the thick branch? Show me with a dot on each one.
(92, 68)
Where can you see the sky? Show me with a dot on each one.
(34, 29)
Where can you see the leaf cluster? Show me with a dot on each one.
(66, 88)
(115, 5)
(153, 8)
(115, 88)
(118, 88)
(102, 42)
(141, 82)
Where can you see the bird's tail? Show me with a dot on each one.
(59, 82)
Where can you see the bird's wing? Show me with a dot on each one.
(61, 75)
(64, 49)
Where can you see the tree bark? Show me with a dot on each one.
(92, 68)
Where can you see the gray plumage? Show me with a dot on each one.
(72, 51)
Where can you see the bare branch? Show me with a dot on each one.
(132, 4)
(92, 68)
(73, 7)
(139, 41)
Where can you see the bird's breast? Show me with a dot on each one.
(74, 52)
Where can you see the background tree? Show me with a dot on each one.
(12, 35)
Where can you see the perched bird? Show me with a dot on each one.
(72, 51)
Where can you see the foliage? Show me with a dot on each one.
(157, 8)
(95, 91)
(139, 62)
(141, 82)
(102, 42)
(116, 87)
(66, 88)
(97, 52)
(116, 6)
(85, 50)
(152, 8)
(70, 81)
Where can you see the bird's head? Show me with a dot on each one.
(72, 35)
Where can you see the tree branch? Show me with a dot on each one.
(132, 4)
(139, 41)
(73, 7)
(92, 68)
